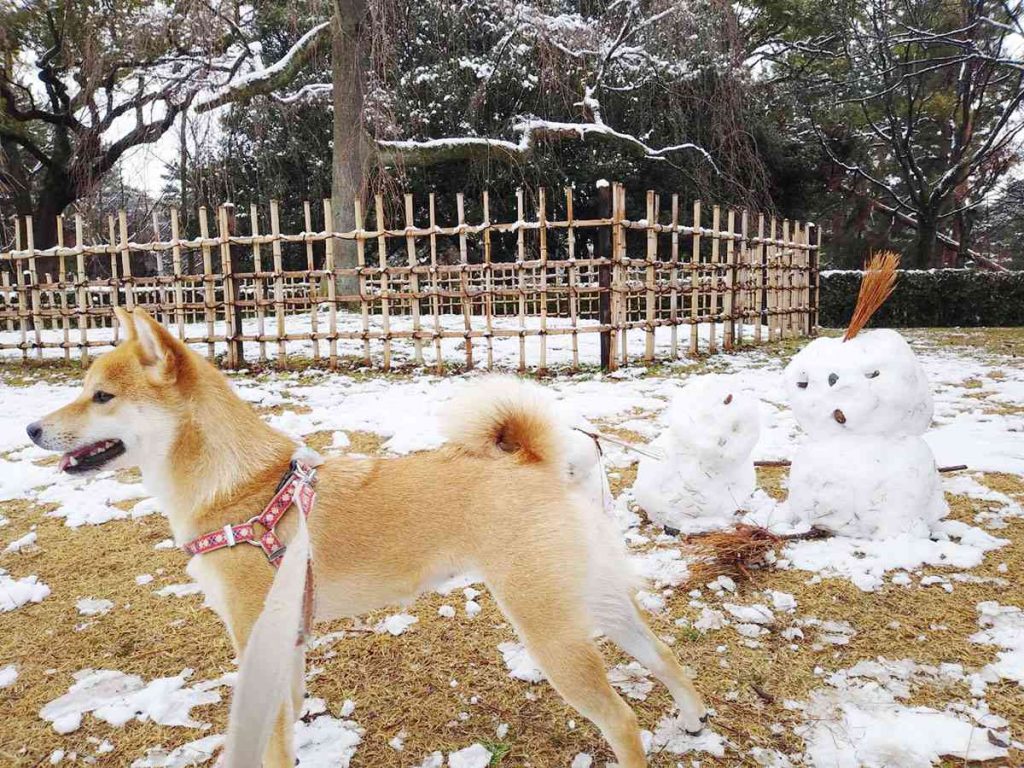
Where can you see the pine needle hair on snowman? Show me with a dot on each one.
(863, 402)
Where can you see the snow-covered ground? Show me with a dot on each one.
(505, 351)
(862, 711)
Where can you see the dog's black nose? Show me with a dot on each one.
(832, 379)
(35, 431)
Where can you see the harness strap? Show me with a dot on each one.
(296, 488)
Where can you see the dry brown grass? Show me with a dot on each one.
(404, 683)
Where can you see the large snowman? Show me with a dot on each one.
(863, 403)
(704, 474)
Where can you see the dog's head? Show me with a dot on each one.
(131, 402)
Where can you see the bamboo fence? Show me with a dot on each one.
(425, 291)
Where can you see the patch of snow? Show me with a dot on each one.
(187, 755)
(28, 540)
(14, 594)
(519, 663)
(117, 698)
(670, 736)
(1003, 627)
(395, 624)
(93, 606)
(323, 741)
(632, 679)
(179, 590)
(862, 724)
(476, 756)
(663, 567)
(8, 675)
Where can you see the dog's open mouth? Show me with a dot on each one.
(90, 457)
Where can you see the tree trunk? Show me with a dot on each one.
(351, 152)
(926, 247)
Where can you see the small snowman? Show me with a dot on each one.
(863, 402)
(705, 473)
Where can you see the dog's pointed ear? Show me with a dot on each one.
(158, 348)
(127, 323)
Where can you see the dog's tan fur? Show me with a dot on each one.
(493, 501)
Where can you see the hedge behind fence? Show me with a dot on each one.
(933, 298)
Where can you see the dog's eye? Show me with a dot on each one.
(872, 375)
(802, 384)
(99, 396)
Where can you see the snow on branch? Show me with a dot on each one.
(531, 130)
(307, 93)
(268, 79)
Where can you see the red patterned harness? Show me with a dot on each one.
(296, 487)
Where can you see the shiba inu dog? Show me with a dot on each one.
(494, 501)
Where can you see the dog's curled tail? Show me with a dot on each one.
(501, 415)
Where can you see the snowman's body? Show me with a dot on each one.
(705, 470)
(863, 469)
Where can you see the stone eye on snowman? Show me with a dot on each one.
(863, 403)
(704, 472)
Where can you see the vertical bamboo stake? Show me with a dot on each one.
(62, 283)
(521, 270)
(573, 274)
(695, 280)
(126, 261)
(33, 273)
(209, 294)
(257, 281)
(673, 280)
(161, 288)
(758, 264)
(364, 299)
(414, 280)
(651, 274)
(716, 218)
(488, 281)
(743, 275)
(275, 248)
(385, 285)
(805, 280)
(467, 309)
(179, 298)
(5, 281)
(227, 292)
(332, 287)
(312, 290)
(435, 308)
(83, 292)
(771, 299)
(19, 278)
(542, 217)
(620, 282)
(786, 279)
(729, 299)
(24, 302)
(792, 251)
(816, 272)
(799, 236)
(115, 283)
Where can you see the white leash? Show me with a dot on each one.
(597, 437)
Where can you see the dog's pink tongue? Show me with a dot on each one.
(67, 460)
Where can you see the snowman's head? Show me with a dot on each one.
(869, 385)
(713, 420)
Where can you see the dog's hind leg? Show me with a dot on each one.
(619, 617)
(556, 633)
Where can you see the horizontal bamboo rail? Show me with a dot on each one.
(450, 293)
